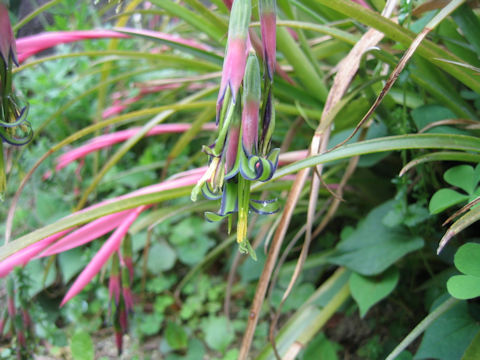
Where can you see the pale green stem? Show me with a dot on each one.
(34, 14)
(3, 178)
(422, 326)
(321, 319)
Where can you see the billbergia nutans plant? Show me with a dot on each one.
(333, 143)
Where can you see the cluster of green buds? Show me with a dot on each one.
(121, 279)
(242, 151)
(14, 129)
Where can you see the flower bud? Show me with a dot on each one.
(251, 105)
(7, 40)
(237, 51)
(268, 23)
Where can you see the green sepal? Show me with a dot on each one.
(245, 248)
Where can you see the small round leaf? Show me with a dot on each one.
(467, 259)
(464, 286)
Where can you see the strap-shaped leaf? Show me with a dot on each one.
(264, 207)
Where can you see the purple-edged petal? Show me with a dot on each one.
(264, 207)
(102, 256)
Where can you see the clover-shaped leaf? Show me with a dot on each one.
(461, 176)
(464, 177)
(445, 198)
(467, 260)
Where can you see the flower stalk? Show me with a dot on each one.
(14, 129)
(242, 151)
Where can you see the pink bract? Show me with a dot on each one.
(31, 45)
(101, 257)
(103, 141)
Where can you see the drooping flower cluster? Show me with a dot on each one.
(14, 129)
(245, 118)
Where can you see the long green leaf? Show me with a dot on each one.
(203, 54)
(173, 61)
(390, 143)
(197, 21)
(90, 215)
(427, 49)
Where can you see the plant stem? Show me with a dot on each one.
(422, 326)
(34, 14)
(3, 178)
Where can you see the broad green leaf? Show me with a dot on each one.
(218, 332)
(71, 262)
(367, 291)
(50, 207)
(473, 351)
(445, 198)
(35, 271)
(448, 336)
(161, 257)
(461, 176)
(195, 351)
(373, 247)
(464, 286)
(150, 324)
(81, 346)
(428, 114)
(467, 259)
(193, 252)
(321, 348)
(176, 336)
